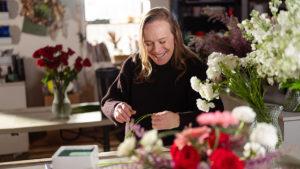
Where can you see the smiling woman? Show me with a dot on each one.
(155, 80)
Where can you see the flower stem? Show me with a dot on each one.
(217, 135)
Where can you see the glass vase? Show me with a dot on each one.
(61, 105)
(274, 111)
(292, 101)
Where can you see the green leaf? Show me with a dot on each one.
(294, 85)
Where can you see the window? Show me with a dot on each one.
(118, 16)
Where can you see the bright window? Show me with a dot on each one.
(118, 16)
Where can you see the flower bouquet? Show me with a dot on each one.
(225, 140)
(58, 70)
(276, 45)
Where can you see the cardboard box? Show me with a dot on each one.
(76, 157)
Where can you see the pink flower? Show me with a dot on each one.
(199, 133)
(218, 118)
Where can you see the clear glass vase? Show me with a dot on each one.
(61, 105)
(292, 101)
(274, 111)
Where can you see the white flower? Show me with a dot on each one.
(244, 113)
(149, 138)
(126, 147)
(204, 105)
(151, 142)
(265, 134)
(195, 83)
(207, 92)
(158, 147)
(215, 59)
(213, 73)
(254, 150)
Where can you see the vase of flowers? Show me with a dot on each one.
(55, 61)
(275, 41)
(229, 73)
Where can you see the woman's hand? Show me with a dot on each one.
(165, 120)
(123, 112)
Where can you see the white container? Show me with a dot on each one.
(14, 143)
(76, 157)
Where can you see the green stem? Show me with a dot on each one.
(217, 136)
(142, 118)
(168, 133)
(241, 126)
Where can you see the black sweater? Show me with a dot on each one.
(163, 91)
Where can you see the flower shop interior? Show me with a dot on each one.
(100, 35)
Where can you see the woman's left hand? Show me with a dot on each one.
(165, 120)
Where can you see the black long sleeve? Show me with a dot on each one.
(163, 91)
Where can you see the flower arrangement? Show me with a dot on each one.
(148, 152)
(276, 43)
(223, 141)
(56, 63)
(58, 70)
(231, 72)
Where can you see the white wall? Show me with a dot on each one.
(29, 43)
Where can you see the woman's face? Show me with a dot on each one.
(159, 41)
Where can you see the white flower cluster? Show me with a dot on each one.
(264, 134)
(262, 137)
(244, 114)
(208, 90)
(215, 59)
(275, 42)
(149, 143)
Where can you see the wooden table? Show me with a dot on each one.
(41, 119)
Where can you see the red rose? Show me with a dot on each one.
(86, 62)
(37, 54)
(186, 158)
(225, 159)
(40, 62)
(58, 48)
(78, 65)
(70, 52)
(48, 52)
(224, 141)
(64, 58)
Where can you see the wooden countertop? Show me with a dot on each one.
(41, 119)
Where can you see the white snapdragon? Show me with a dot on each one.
(264, 134)
(195, 83)
(253, 150)
(276, 44)
(244, 113)
(207, 92)
(126, 147)
(215, 59)
(204, 105)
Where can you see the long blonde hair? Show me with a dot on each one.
(181, 52)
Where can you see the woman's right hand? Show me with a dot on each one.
(123, 112)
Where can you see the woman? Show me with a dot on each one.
(157, 79)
